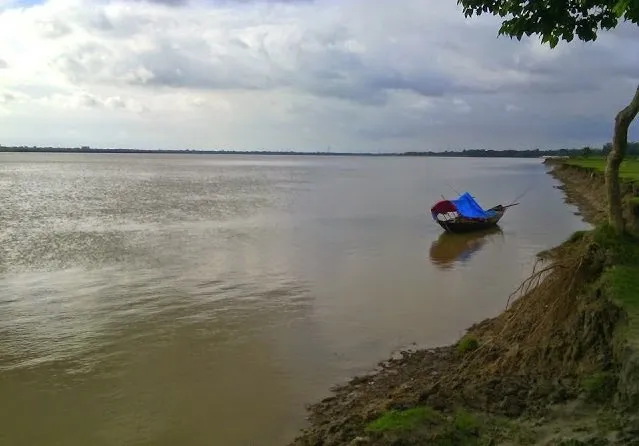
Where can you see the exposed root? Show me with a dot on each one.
(537, 332)
(531, 282)
(536, 351)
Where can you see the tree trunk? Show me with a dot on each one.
(619, 144)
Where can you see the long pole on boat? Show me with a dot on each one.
(454, 190)
(523, 193)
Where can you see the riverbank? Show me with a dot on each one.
(584, 185)
(558, 366)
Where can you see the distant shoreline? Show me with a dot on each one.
(474, 153)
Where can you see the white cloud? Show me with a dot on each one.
(300, 74)
(512, 108)
(461, 105)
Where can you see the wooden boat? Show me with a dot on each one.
(464, 214)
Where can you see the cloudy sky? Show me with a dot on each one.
(360, 75)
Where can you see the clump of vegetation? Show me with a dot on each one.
(556, 252)
(591, 442)
(621, 278)
(576, 236)
(433, 427)
(467, 344)
(622, 282)
(466, 423)
(600, 387)
(404, 420)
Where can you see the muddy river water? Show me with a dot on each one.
(205, 300)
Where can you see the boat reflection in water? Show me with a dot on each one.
(450, 248)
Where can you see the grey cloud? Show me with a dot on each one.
(171, 3)
(176, 3)
(584, 127)
(86, 61)
(324, 66)
(492, 122)
(114, 26)
(116, 102)
(89, 101)
(3, 64)
(397, 129)
(357, 71)
(5, 98)
(54, 29)
(587, 67)
(100, 22)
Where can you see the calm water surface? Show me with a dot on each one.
(204, 300)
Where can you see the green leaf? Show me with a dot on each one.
(621, 7)
(555, 20)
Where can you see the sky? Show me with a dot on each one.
(344, 75)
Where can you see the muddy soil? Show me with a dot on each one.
(586, 190)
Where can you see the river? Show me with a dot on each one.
(205, 300)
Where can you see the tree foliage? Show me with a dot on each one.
(555, 20)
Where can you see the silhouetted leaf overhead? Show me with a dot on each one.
(555, 20)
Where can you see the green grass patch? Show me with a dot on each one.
(621, 278)
(619, 249)
(467, 344)
(609, 422)
(632, 203)
(466, 423)
(590, 442)
(622, 283)
(629, 169)
(600, 387)
(435, 428)
(404, 420)
(424, 425)
(576, 237)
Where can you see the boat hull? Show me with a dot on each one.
(463, 225)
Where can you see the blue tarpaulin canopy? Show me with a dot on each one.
(469, 208)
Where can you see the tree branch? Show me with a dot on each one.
(615, 158)
(628, 114)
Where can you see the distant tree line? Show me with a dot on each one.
(489, 153)
(85, 149)
(633, 150)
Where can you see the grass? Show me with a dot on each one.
(467, 344)
(621, 250)
(623, 286)
(404, 420)
(432, 426)
(600, 387)
(466, 423)
(592, 442)
(629, 169)
(634, 203)
(576, 236)
(621, 278)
